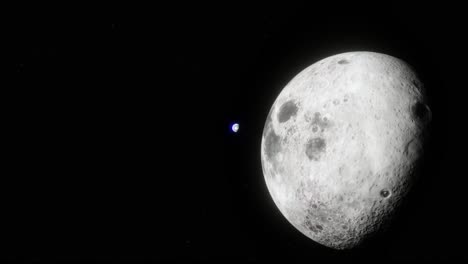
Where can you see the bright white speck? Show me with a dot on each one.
(235, 128)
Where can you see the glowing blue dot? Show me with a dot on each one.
(235, 128)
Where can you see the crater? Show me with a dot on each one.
(343, 61)
(314, 147)
(421, 112)
(416, 83)
(286, 111)
(322, 217)
(272, 144)
(412, 148)
(308, 223)
(385, 193)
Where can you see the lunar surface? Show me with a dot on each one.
(341, 145)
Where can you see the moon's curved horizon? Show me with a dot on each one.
(341, 143)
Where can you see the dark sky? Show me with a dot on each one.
(118, 121)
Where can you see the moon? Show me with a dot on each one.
(341, 145)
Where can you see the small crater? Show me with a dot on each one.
(385, 193)
(344, 227)
(343, 61)
(287, 110)
(314, 206)
(314, 147)
(336, 102)
(314, 129)
(319, 227)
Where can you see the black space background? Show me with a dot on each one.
(117, 128)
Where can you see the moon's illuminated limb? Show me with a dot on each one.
(341, 143)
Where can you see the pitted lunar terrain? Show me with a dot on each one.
(341, 144)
